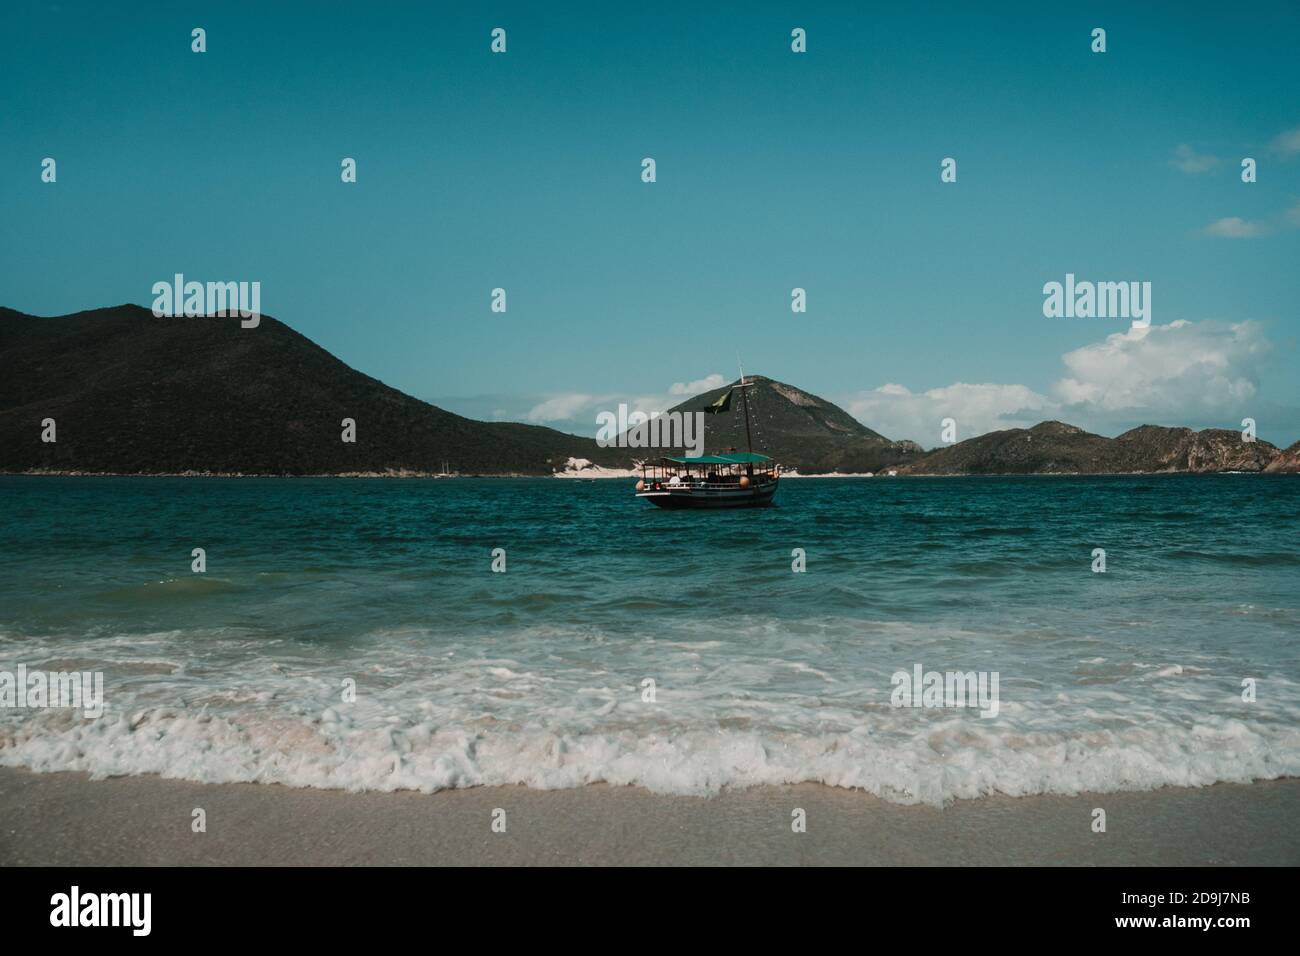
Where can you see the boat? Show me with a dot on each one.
(728, 480)
(733, 480)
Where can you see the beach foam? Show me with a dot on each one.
(720, 719)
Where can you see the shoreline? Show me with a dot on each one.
(67, 819)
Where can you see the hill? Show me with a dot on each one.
(135, 394)
(1058, 448)
(798, 429)
(1287, 460)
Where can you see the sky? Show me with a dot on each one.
(774, 170)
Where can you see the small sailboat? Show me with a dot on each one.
(728, 480)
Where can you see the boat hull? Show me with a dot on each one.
(758, 496)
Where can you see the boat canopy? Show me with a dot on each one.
(731, 458)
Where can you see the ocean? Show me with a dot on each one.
(352, 633)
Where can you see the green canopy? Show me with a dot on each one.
(731, 458)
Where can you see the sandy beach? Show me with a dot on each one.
(68, 819)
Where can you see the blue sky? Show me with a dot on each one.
(775, 170)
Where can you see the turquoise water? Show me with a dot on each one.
(1127, 679)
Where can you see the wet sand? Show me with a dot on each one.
(69, 819)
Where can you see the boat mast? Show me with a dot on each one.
(744, 400)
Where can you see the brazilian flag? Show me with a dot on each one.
(721, 405)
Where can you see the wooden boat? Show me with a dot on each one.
(732, 480)
(728, 480)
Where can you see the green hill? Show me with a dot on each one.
(798, 429)
(135, 394)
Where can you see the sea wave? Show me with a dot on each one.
(956, 759)
(579, 714)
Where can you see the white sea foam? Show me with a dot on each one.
(569, 711)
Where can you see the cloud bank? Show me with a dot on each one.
(1180, 373)
(576, 411)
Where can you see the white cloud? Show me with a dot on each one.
(1233, 227)
(706, 384)
(1181, 373)
(1176, 371)
(576, 411)
(897, 412)
(1288, 143)
(561, 407)
(1192, 162)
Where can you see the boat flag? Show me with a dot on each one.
(721, 405)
